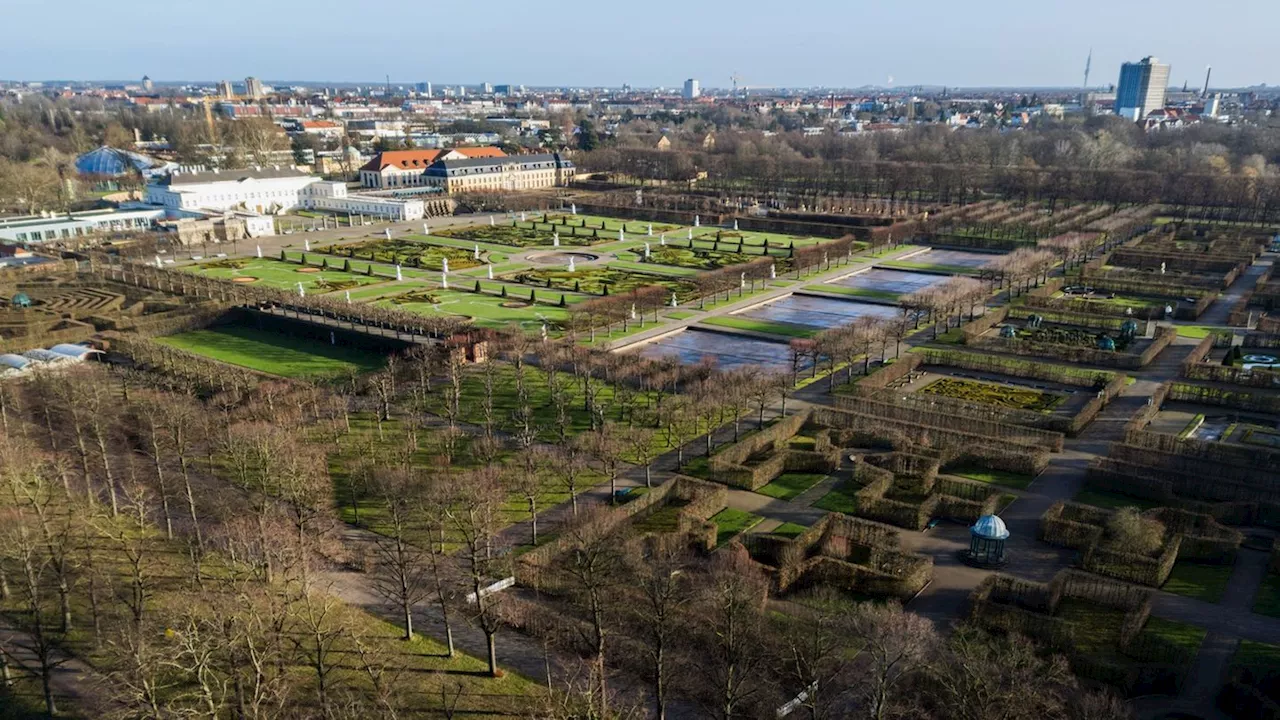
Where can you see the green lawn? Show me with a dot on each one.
(1198, 332)
(681, 314)
(856, 292)
(788, 486)
(488, 310)
(789, 530)
(929, 267)
(1112, 501)
(1188, 637)
(1202, 582)
(763, 326)
(1257, 656)
(654, 267)
(730, 522)
(282, 275)
(274, 353)
(1267, 601)
(751, 238)
(841, 499)
(1018, 481)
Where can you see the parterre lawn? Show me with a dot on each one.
(788, 486)
(1267, 601)
(730, 522)
(1199, 581)
(789, 530)
(275, 353)
(1018, 481)
(281, 275)
(841, 499)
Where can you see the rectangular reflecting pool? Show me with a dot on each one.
(955, 258)
(881, 280)
(726, 349)
(817, 311)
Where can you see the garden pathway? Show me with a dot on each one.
(1220, 310)
(75, 683)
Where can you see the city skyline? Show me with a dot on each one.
(933, 43)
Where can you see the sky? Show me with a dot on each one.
(835, 43)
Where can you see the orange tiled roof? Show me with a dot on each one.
(480, 152)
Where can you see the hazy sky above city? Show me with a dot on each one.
(650, 43)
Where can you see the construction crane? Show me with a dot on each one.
(735, 78)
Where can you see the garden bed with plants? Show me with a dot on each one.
(603, 281)
(405, 252)
(1005, 396)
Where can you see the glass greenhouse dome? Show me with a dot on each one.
(112, 162)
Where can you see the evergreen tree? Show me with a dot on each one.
(477, 290)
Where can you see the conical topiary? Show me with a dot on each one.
(477, 290)
(504, 291)
(563, 303)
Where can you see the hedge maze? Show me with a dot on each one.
(1103, 627)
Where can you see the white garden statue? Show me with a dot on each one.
(387, 232)
(646, 251)
(159, 262)
(348, 294)
(621, 235)
(571, 267)
(663, 239)
(259, 251)
(306, 245)
(522, 216)
(773, 271)
(444, 281)
(400, 275)
(301, 291)
(673, 301)
(573, 209)
(490, 221)
(650, 229)
(476, 253)
(735, 223)
(742, 282)
(690, 233)
(633, 311)
(444, 265)
(425, 229)
(490, 271)
(697, 221)
(555, 239)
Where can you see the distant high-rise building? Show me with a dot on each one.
(1142, 88)
(422, 88)
(486, 89)
(691, 89)
(147, 84)
(254, 88)
(225, 90)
